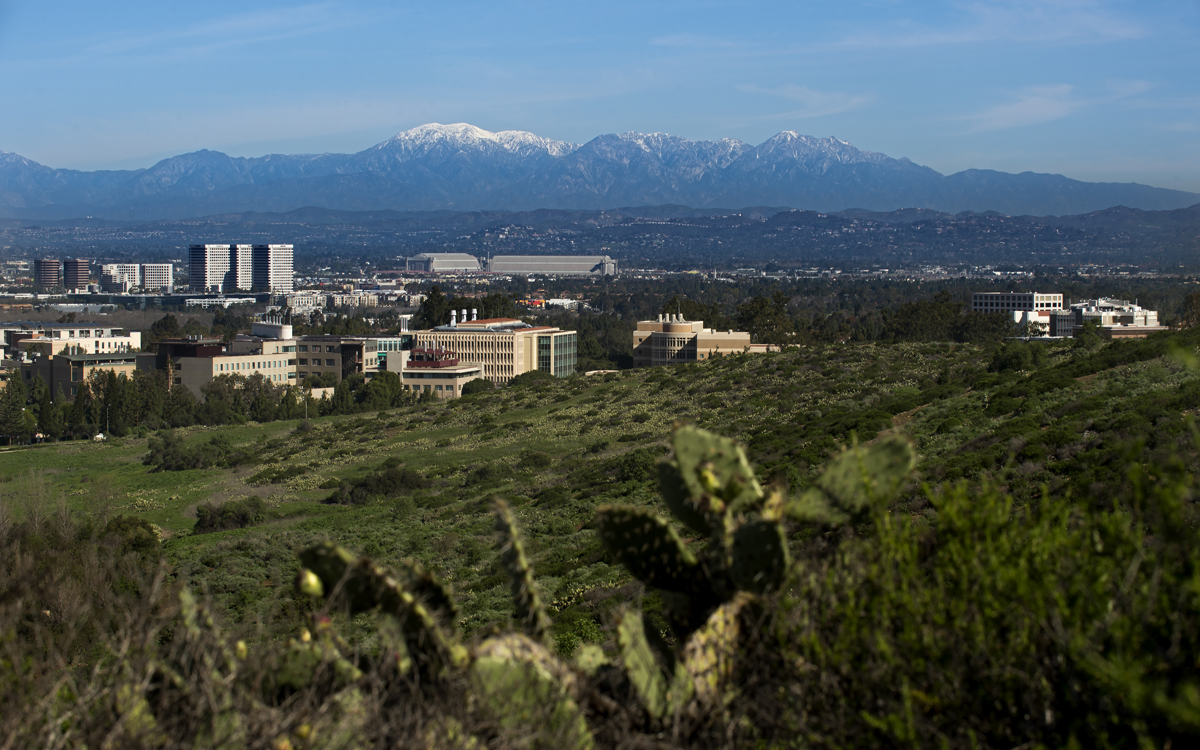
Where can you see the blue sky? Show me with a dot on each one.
(1102, 91)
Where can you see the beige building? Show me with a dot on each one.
(435, 371)
(1117, 318)
(504, 347)
(1015, 301)
(341, 355)
(78, 338)
(67, 371)
(672, 340)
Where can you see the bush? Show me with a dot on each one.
(389, 481)
(235, 514)
(531, 378)
(479, 385)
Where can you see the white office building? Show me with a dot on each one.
(272, 268)
(157, 277)
(219, 268)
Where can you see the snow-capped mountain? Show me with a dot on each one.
(463, 167)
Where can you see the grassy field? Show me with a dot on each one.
(1027, 418)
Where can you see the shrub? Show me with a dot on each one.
(234, 514)
(479, 385)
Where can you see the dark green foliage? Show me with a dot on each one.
(134, 535)
(479, 385)
(530, 379)
(388, 481)
(168, 452)
(233, 514)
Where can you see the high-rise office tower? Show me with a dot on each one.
(272, 268)
(47, 273)
(157, 277)
(220, 268)
(77, 273)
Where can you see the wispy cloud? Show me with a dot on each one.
(1065, 21)
(1038, 104)
(813, 103)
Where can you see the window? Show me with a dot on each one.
(329, 363)
(304, 347)
(329, 349)
(304, 362)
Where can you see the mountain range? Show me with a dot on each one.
(464, 168)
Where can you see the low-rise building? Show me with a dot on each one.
(435, 371)
(673, 340)
(67, 371)
(1015, 301)
(53, 338)
(553, 265)
(504, 347)
(195, 362)
(1117, 318)
(342, 356)
(442, 263)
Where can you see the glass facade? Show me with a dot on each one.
(558, 353)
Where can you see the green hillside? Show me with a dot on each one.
(1033, 422)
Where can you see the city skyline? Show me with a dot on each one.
(1097, 91)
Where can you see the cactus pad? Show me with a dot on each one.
(647, 545)
(760, 556)
(526, 600)
(854, 481)
(715, 468)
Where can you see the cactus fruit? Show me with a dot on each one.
(421, 606)
(854, 481)
(529, 610)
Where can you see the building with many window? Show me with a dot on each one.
(271, 268)
(673, 340)
(437, 372)
(219, 268)
(1015, 302)
(504, 347)
(66, 371)
(342, 356)
(77, 273)
(77, 338)
(1117, 318)
(47, 273)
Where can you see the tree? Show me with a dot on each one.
(1190, 314)
(434, 311)
(767, 320)
(478, 385)
(50, 415)
(12, 409)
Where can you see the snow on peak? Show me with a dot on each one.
(464, 135)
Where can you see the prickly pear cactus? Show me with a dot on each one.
(662, 689)
(519, 681)
(647, 545)
(854, 481)
(528, 603)
(710, 486)
(422, 607)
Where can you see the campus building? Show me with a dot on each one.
(672, 340)
(435, 371)
(1117, 318)
(504, 347)
(72, 338)
(68, 371)
(1015, 301)
(342, 356)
